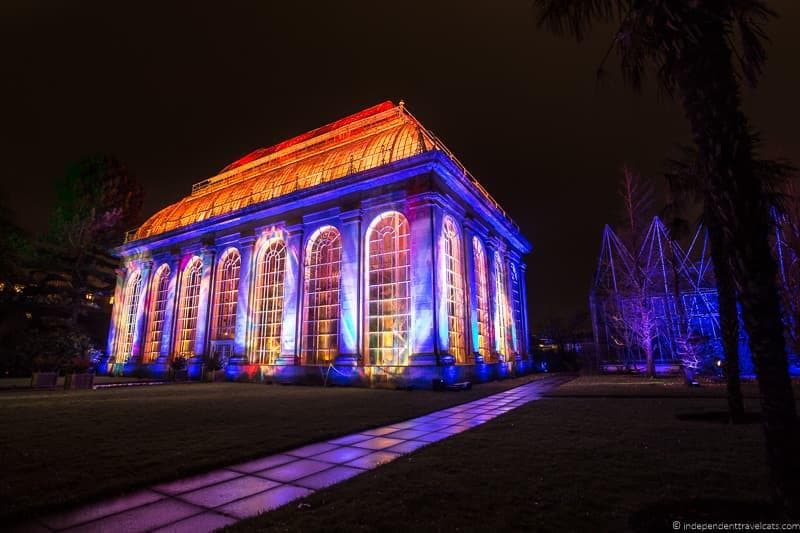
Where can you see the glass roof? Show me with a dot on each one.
(376, 136)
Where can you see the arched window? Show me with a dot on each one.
(482, 303)
(454, 280)
(189, 304)
(129, 315)
(322, 278)
(227, 295)
(268, 302)
(158, 306)
(388, 294)
(516, 309)
(502, 319)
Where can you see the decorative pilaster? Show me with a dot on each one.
(292, 293)
(350, 323)
(471, 291)
(173, 292)
(512, 319)
(243, 312)
(207, 257)
(495, 301)
(523, 285)
(442, 321)
(424, 337)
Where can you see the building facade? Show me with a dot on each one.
(360, 253)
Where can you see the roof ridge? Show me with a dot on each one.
(217, 182)
(258, 153)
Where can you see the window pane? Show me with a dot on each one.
(322, 279)
(482, 304)
(130, 306)
(158, 307)
(189, 306)
(268, 303)
(455, 290)
(227, 295)
(388, 298)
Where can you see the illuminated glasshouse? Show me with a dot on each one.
(361, 252)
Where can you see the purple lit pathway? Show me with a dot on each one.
(215, 499)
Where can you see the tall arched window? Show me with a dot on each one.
(482, 303)
(322, 278)
(516, 309)
(158, 306)
(227, 295)
(454, 284)
(389, 292)
(129, 315)
(502, 319)
(189, 306)
(268, 302)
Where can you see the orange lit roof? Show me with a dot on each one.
(368, 139)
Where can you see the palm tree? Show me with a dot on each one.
(686, 185)
(701, 50)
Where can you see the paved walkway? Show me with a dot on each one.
(209, 501)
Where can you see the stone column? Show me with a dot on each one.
(494, 301)
(523, 286)
(207, 256)
(471, 291)
(292, 294)
(173, 293)
(441, 322)
(350, 321)
(424, 338)
(515, 349)
(243, 312)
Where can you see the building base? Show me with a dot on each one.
(349, 375)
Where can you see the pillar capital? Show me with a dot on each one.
(353, 215)
(294, 230)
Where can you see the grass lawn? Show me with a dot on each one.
(570, 462)
(25, 383)
(61, 448)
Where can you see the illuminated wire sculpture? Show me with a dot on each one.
(675, 287)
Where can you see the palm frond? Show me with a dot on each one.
(577, 17)
(751, 17)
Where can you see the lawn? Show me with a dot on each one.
(62, 448)
(25, 383)
(573, 461)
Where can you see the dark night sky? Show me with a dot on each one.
(177, 93)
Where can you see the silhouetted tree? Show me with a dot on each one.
(701, 50)
(97, 201)
(636, 320)
(14, 247)
(686, 186)
(788, 226)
